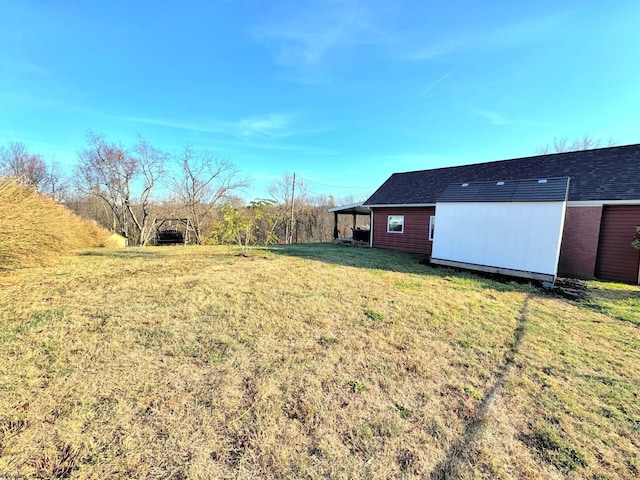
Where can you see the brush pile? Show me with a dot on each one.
(35, 230)
(571, 288)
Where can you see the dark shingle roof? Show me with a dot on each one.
(542, 190)
(602, 174)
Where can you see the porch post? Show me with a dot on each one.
(335, 225)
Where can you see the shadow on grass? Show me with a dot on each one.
(397, 261)
(625, 310)
(359, 257)
(134, 252)
(614, 295)
(619, 301)
(460, 451)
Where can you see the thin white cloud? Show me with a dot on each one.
(168, 123)
(15, 66)
(495, 118)
(267, 126)
(432, 85)
(307, 36)
(508, 36)
(256, 133)
(286, 147)
(272, 126)
(499, 119)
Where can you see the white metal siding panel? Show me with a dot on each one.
(521, 236)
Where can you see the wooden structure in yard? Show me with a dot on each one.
(359, 235)
(173, 231)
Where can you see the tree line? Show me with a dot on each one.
(125, 188)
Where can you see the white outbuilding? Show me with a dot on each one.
(510, 227)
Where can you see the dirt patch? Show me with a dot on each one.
(571, 288)
(251, 256)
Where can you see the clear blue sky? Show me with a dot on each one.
(342, 92)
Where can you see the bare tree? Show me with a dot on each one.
(111, 172)
(151, 163)
(563, 144)
(17, 161)
(91, 206)
(55, 183)
(284, 192)
(203, 182)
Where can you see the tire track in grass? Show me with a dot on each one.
(446, 469)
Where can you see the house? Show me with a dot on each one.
(599, 214)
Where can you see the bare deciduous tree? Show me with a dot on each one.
(282, 190)
(111, 172)
(563, 144)
(151, 163)
(17, 161)
(202, 183)
(56, 183)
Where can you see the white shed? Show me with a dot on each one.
(508, 227)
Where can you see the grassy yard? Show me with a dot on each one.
(310, 361)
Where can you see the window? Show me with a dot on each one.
(432, 226)
(395, 224)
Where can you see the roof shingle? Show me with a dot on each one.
(602, 174)
(538, 190)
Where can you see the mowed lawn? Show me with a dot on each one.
(311, 361)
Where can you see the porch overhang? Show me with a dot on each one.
(353, 209)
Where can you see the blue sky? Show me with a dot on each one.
(342, 92)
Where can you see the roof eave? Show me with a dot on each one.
(397, 205)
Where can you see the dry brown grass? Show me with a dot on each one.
(36, 230)
(311, 362)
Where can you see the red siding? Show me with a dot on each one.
(415, 237)
(617, 259)
(579, 248)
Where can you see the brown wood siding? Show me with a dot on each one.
(579, 248)
(617, 259)
(415, 237)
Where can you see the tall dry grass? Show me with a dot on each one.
(36, 230)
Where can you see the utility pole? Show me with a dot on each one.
(293, 196)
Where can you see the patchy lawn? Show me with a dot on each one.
(310, 361)
(616, 300)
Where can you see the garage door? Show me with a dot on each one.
(617, 260)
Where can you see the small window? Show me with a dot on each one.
(395, 224)
(432, 226)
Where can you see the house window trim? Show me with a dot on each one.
(389, 223)
(432, 227)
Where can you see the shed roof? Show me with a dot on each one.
(356, 208)
(536, 190)
(601, 174)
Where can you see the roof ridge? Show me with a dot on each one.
(611, 173)
(545, 155)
